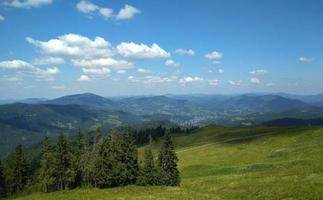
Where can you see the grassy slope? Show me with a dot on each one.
(225, 163)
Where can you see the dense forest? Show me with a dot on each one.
(101, 161)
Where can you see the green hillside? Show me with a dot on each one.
(232, 163)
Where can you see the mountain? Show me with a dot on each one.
(87, 99)
(295, 122)
(29, 123)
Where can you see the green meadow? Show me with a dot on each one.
(231, 163)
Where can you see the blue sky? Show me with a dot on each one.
(51, 48)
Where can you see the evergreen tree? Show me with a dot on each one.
(148, 172)
(65, 173)
(46, 175)
(85, 158)
(19, 170)
(76, 159)
(3, 189)
(95, 156)
(129, 157)
(168, 173)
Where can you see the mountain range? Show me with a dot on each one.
(28, 121)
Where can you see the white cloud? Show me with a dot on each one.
(49, 61)
(141, 51)
(121, 71)
(235, 83)
(190, 79)
(306, 59)
(74, 46)
(88, 7)
(157, 79)
(221, 71)
(84, 78)
(185, 52)
(26, 69)
(96, 72)
(131, 78)
(171, 63)
(2, 18)
(214, 82)
(102, 62)
(26, 3)
(254, 80)
(270, 84)
(259, 72)
(145, 71)
(215, 56)
(127, 12)
(9, 78)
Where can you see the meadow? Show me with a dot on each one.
(231, 163)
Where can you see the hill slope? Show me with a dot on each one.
(231, 163)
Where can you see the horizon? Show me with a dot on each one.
(131, 48)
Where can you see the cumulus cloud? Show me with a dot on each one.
(74, 45)
(2, 18)
(26, 3)
(49, 61)
(214, 56)
(221, 71)
(185, 52)
(121, 71)
(84, 78)
(88, 7)
(214, 82)
(96, 72)
(235, 83)
(306, 59)
(145, 71)
(259, 72)
(255, 81)
(102, 62)
(190, 79)
(26, 69)
(141, 51)
(127, 12)
(171, 63)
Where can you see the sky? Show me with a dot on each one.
(51, 48)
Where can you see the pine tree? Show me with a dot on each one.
(129, 157)
(3, 188)
(46, 175)
(148, 172)
(65, 173)
(76, 160)
(20, 170)
(95, 156)
(168, 173)
(85, 158)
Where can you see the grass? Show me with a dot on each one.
(232, 163)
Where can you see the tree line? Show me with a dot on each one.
(105, 161)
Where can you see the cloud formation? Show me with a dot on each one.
(26, 69)
(2, 18)
(306, 59)
(214, 82)
(26, 3)
(141, 51)
(185, 52)
(49, 61)
(258, 72)
(255, 81)
(88, 7)
(214, 56)
(171, 63)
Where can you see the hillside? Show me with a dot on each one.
(232, 163)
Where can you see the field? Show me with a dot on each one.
(232, 163)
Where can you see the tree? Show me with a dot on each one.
(3, 188)
(168, 173)
(65, 173)
(148, 172)
(19, 170)
(46, 174)
(95, 156)
(129, 157)
(85, 158)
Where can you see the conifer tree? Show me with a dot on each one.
(65, 172)
(20, 170)
(76, 159)
(129, 157)
(148, 172)
(168, 173)
(85, 158)
(95, 156)
(3, 188)
(46, 175)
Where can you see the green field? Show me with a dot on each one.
(232, 163)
